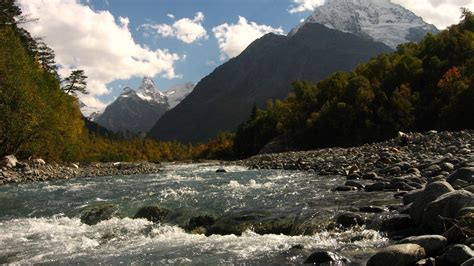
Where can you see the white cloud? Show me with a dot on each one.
(441, 13)
(305, 5)
(234, 38)
(186, 30)
(96, 42)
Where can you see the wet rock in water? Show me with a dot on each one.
(456, 255)
(221, 170)
(351, 183)
(431, 243)
(326, 257)
(431, 193)
(465, 174)
(349, 219)
(154, 214)
(398, 255)
(345, 188)
(445, 207)
(8, 161)
(468, 262)
(399, 226)
(200, 224)
(411, 196)
(372, 209)
(370, 176)
(379, 186)
(260, 222)
(100, 212)
(426, 262)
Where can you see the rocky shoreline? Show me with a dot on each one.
(432, 174)
(14, 171)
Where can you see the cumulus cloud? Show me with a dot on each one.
(97, 42)
(186, 30)
(441, 13)
(304, 5)
(234, 38)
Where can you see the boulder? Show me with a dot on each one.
(426, 262)
(372, 209)
(411, 196)
(99, 212)
(431, 243)
(201, 221)
(326, 257)
(431, 193)
(466, 174)
(445, 207)
(351, 183)
(221, 170)
(468, 262)
(456, 255)
(154, 214)
(379, 186)
(9, 161)
(398, 255)
(259, 221)
(349, 219)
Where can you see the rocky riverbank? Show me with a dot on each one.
(14, 171)
(432, 174)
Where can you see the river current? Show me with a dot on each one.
(40, 222)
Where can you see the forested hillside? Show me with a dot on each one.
(419, 87)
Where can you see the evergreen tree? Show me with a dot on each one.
(76, 82)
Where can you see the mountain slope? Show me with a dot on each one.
(177, 93)
(135, 111)
(380, 20)
(265, 70)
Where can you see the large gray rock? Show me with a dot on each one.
(411, 196)
(431, 193)
(431, 243)
(260, 222)
(154, 214)
(446, 206)
(349, 219)
(456, 255)
(99, 212)
(9, 161)
(466, 174)
(398, 255)
(326, 257)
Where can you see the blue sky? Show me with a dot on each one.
(117, 42)
(201, 56)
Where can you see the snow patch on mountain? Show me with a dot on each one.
(381, 20)
(177, 93)
(92, 113)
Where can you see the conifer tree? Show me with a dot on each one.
(76, 82)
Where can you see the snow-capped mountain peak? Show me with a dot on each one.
(381, 20)
(149, 92)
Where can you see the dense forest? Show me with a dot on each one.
(419, 87)
(40, 115)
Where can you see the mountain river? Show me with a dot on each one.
(40, 222)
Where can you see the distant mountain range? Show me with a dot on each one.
(137, 111)
(339, 35)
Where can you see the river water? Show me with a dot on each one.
(40, 222)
